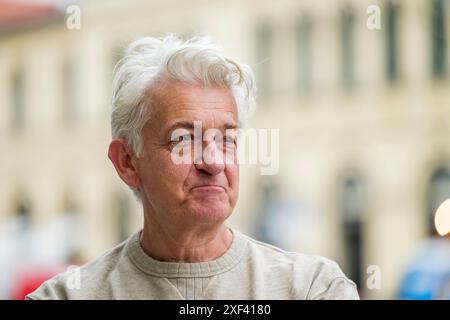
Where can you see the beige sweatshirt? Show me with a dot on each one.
(249, 269)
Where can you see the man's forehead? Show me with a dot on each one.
(182, 104)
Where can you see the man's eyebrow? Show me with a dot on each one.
(181, 124)
(230, 125)
(190, 125)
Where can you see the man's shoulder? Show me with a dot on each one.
(81, 282)
(273, 253)
(323, 275)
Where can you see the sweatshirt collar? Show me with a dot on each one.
(154, 267)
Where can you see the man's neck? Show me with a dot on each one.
(185, 244)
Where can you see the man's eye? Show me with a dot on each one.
(229, 140)
(184, 138)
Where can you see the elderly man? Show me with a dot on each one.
(164, 88)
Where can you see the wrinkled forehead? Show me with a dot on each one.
(184, 104)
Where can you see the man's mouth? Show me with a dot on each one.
(209, 188)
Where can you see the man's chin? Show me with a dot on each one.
(210, 214)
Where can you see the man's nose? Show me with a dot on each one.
(212, 160)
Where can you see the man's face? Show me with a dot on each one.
(195, 193)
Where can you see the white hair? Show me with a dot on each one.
(196, 61)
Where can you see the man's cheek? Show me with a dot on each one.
(232, 174)
(175, 176)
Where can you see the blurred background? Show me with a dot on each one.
(363, 114)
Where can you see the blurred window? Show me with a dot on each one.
(347, 21)
(68, 204)
(304, 50)
(352, 213)
(269, 202)
(22, 209)
(438, 38)
(264, 39)
(69, 93)
(391, 29)
(18, 102)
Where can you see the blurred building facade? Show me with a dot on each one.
(364, 120)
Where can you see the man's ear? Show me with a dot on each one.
(121, 155)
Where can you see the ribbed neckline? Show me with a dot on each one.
(158, 268)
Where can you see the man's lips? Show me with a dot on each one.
(208, 188)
